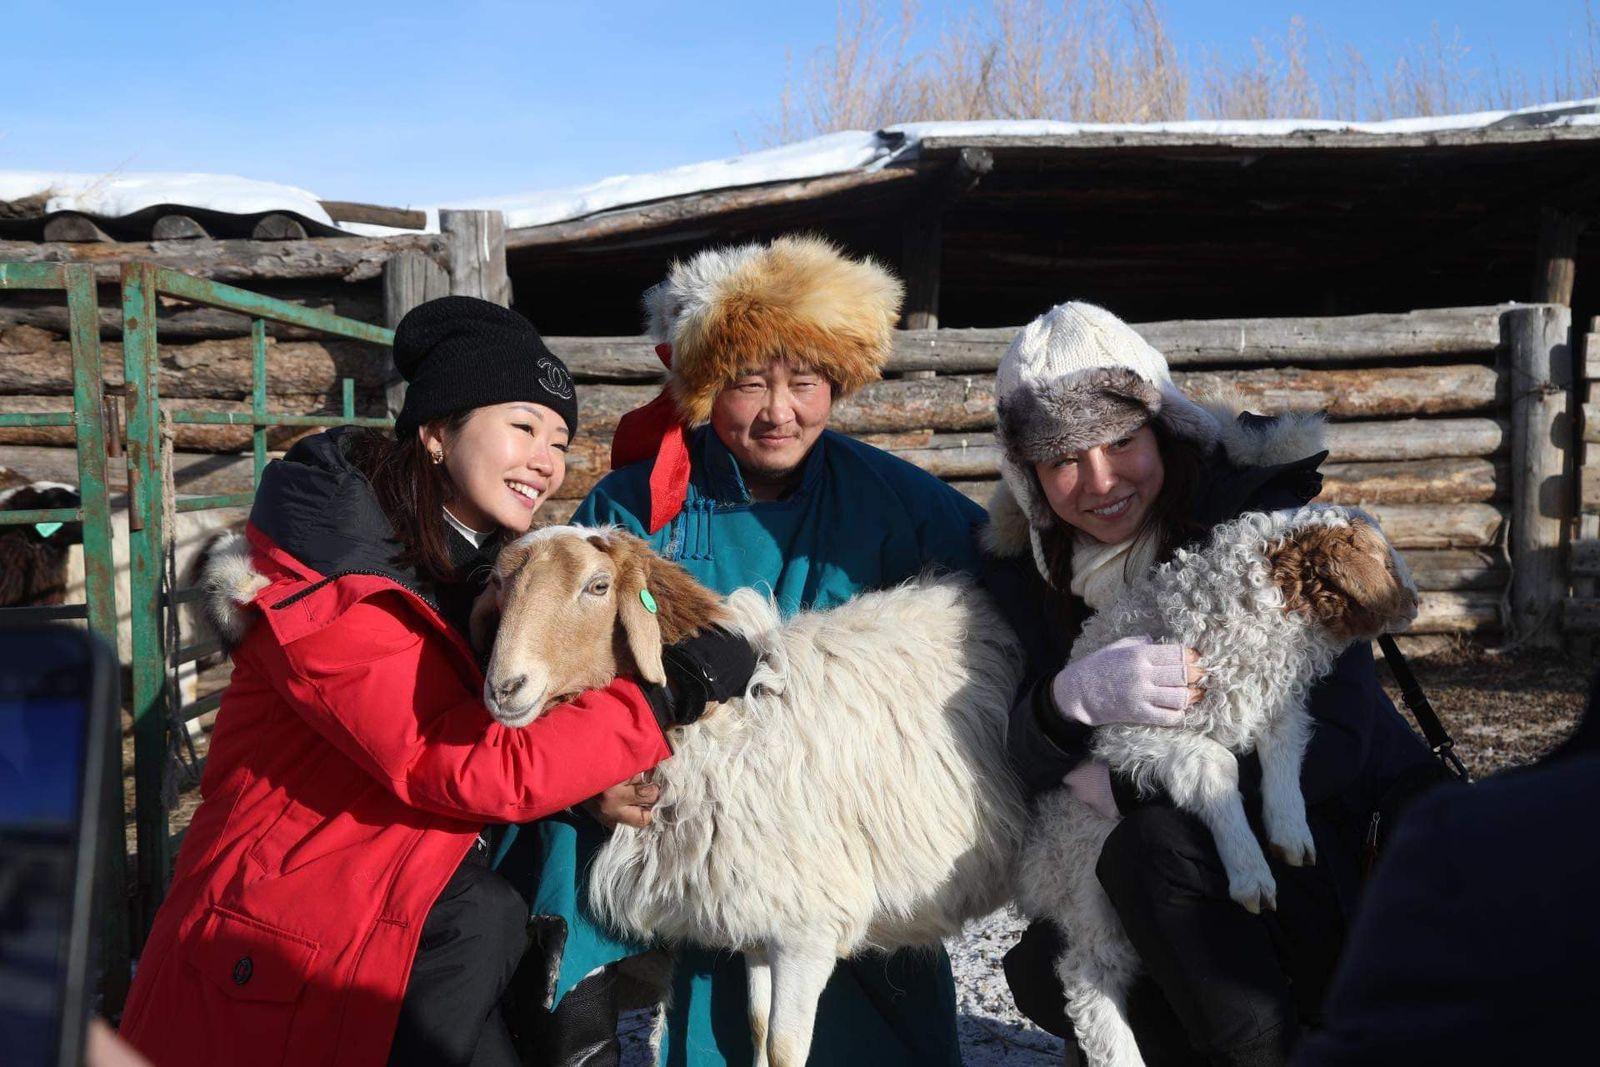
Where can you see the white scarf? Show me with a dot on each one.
(476, 537)
(1100, 571)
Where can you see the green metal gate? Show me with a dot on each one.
(157, 648)
(153, 501)
(77, 284)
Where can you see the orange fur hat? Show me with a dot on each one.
(729, 310)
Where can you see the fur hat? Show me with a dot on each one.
(727, 310)
(1075, 377)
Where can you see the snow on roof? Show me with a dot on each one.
(116, 195)
(835, 153)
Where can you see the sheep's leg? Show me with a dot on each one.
(1095, 972)
(1202, 777)
(799, 971)
(758, 974)
(1282, 747)
(1095, 1005)
(188, 693)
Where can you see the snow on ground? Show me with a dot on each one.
(835, 153)
(993, 1033)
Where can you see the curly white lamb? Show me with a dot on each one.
(1267, 602)
(858, 797)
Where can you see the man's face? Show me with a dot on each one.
(769, 418)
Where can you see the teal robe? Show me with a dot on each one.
(860, 519)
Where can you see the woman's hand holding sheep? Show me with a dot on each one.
(712, 666)
(1133, 680)
(628, 803)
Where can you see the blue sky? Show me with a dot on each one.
(408, 103)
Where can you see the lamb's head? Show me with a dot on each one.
(1336, 568)
(574, 607)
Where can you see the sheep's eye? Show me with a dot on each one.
(599, 585)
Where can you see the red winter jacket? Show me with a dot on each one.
(351, 767)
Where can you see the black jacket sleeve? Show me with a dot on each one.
(1041, 745)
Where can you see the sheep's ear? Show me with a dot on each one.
(685, 606)
(638, 612)
(1337, 576)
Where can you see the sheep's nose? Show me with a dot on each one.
(509, 688)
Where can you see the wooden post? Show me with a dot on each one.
(1555, 256)
(477, 244)
(1540, 359)
(409, 278)
(922, 235)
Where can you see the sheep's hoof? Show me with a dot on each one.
(1256, 895)
(1295, 854)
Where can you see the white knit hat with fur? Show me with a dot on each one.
(1075, 377)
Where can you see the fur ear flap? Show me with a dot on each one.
(231, 583)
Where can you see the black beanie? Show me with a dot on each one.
(459, 352)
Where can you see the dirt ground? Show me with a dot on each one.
(1504, 709)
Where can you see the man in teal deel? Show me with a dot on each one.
(744, 486)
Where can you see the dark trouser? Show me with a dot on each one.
(582, 1031)
(1225, 987)
(471, 944)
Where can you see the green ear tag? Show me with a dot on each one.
(47, 528)
(647, 600)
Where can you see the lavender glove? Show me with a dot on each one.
(1133, 680)
(1090, 782)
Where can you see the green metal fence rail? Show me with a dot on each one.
(99, 608)
(155, 595)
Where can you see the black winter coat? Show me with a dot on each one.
(1478, 936)
(1359, 744)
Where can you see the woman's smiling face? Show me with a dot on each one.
(504, 462)
(1105, 491)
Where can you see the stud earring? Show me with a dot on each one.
(437, 455)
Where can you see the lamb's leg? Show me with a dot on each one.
(758, 974)
(188, 693)
(799, 971)
(1282, 748)
(1202, 778)
(1095, 1003)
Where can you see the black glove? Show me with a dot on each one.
(711, 666)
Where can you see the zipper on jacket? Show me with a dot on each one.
(295, 598)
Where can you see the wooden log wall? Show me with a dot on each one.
(1583, 608)
(1420, 434)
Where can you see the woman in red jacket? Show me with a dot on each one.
(332, 902)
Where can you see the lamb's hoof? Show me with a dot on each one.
(1295, 853)
(1254, 895)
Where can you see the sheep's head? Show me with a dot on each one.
(576, 607)
(1345, 577)
(33, 557)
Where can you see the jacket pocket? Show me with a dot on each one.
(248, 960)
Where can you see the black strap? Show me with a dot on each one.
(1416, 701)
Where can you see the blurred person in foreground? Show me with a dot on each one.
(1479, 935)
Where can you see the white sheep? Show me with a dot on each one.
(1267, 603)
(858, 797)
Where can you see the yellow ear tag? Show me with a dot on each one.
(647, 600)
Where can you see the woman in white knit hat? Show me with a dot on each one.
(1108, 469)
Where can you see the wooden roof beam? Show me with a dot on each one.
(922, 236)
(659, 215)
